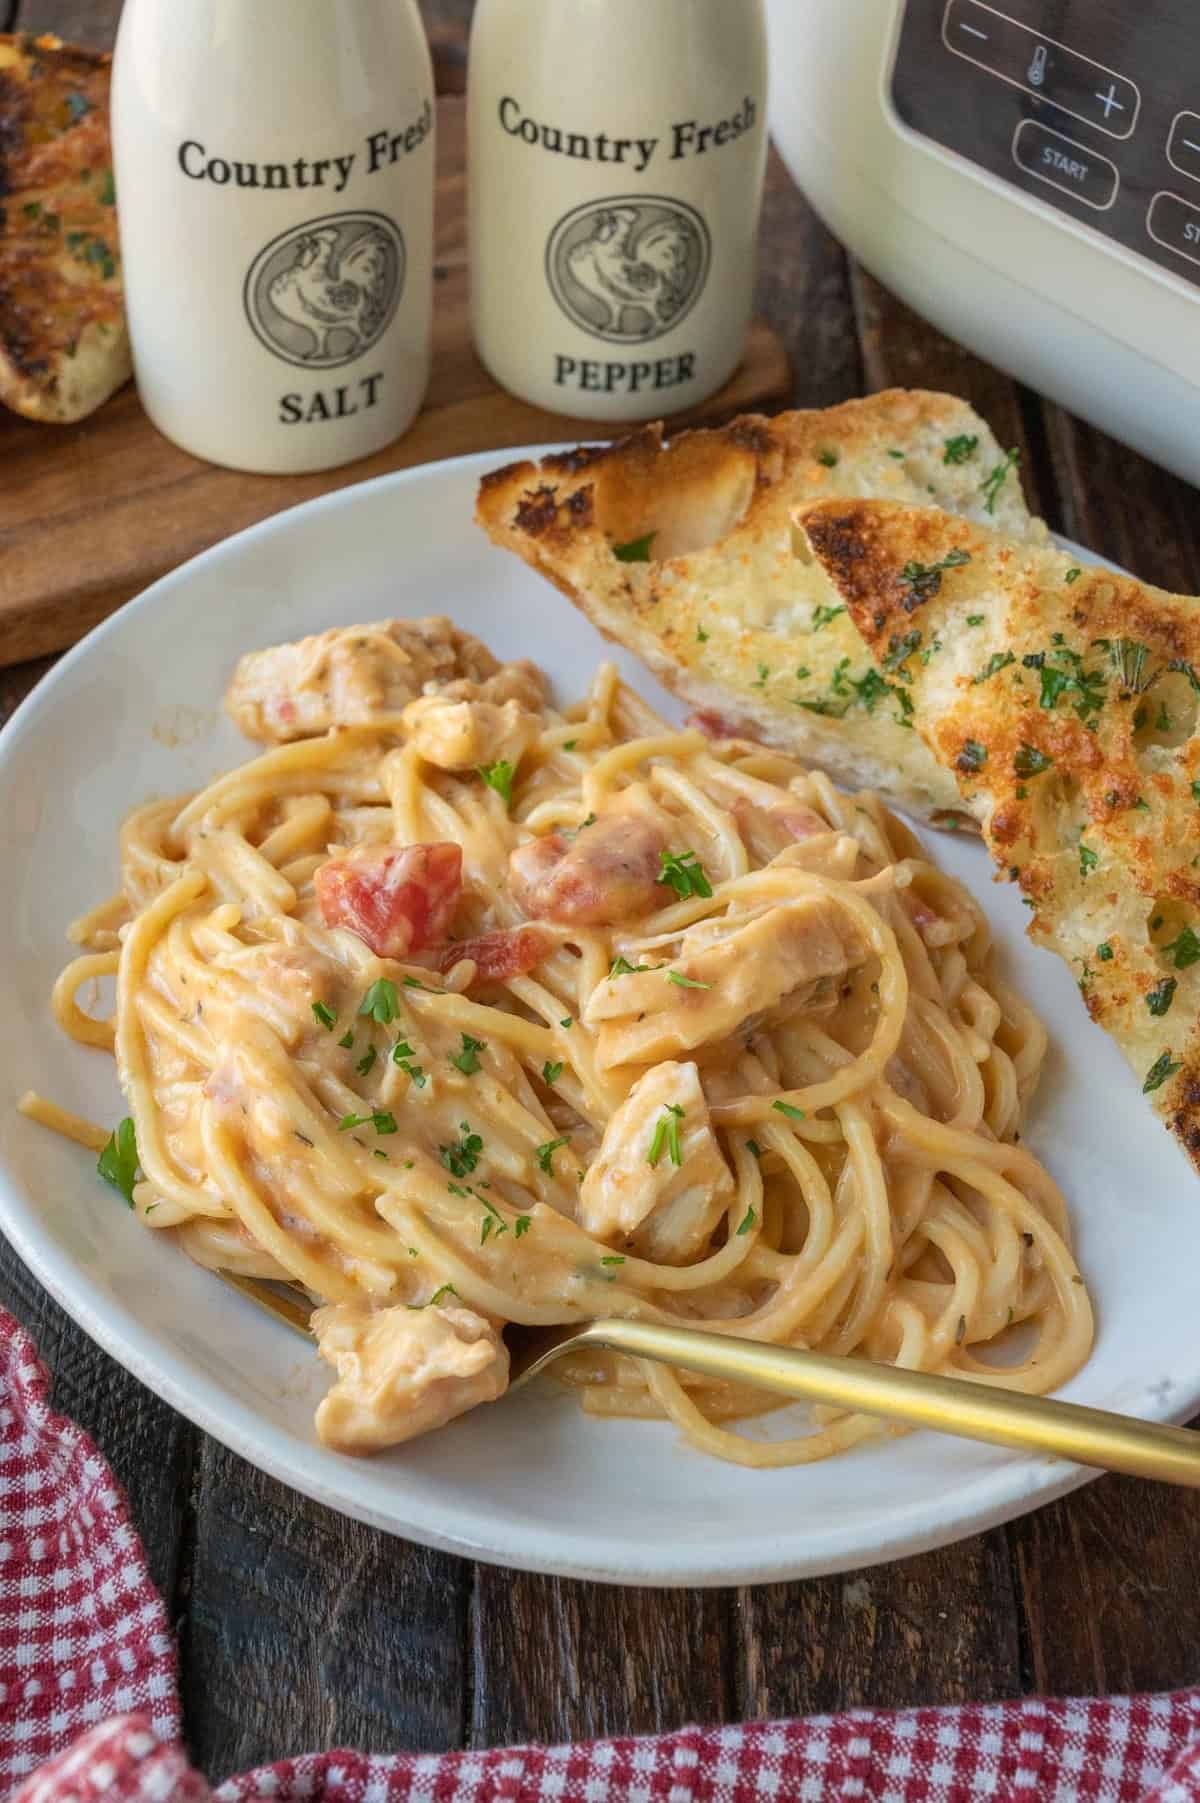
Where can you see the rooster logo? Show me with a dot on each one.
(323, 293)
(628, 269)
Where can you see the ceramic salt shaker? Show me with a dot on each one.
(616, 151)
(274, 175)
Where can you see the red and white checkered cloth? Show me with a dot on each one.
(89, 1712)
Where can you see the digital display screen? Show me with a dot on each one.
(1090, 106)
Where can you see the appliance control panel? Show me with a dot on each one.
(1091, 106)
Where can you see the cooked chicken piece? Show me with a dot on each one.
(667, 1210)
(367, 675)
(461, 735)
(610, 872)
(402, 1371)
(728, 970)
(397, 898)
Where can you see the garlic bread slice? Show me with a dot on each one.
(1066, 701)
(64, 346)
(682, 551)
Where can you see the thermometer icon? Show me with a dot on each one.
(1037, 68)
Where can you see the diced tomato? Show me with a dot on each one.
(510, 952)
(802, 822)
(397, 898)
(720, 726)
(771, 829)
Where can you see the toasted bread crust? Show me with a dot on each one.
(722, 611)
(1066, 700)
(64, 347)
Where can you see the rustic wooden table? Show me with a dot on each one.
(298, 1629)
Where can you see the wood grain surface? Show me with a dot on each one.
(298, 1629)
(93, 513)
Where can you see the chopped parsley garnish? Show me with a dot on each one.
(118, 1162)
(568, 1020)
(793, 1113)
(822, 615)
(108, 190)
(381, 1003)
(364, 1064)
(828, 458)
(499, 776)
(545, 1153)
(898, 455)
(975, 619)
(621, 967)
(79, 106)
(1088, 859)
(551, 1072)
(870, 689)
(760, 681)
(749, 1220)
(701, 636)
(925, 579)
(1029, 761)
(379, 1118)
(347, 1039)
(413, 1072)
(681, 982)
(462, 1155)
(754, 1149)
(972, 757)
(447, 1289)
(379, 1153)
(1185, 950)
(612, 1259)
(1162, 1068)
(959, 448)
(1128, 659)
(1159, 999)
(570, 744)
(1073, 574)
(467, 1060)
(900, 649)
(995, 479)
(666, 1138)
(999, 660)
(1104, 952)
(685, 874)
(324, 1016)
(416, 983)
(637, 550)
(521, 1226)
(493, 1221)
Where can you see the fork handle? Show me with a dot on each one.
(949, 1405)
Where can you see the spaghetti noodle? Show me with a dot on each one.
(622, 1021)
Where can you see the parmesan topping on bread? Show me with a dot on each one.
(683, 552)
(1066, 701)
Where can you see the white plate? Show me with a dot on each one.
(134, 712)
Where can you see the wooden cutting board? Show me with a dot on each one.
(90, 514)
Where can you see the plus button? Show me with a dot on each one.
(1109, 101)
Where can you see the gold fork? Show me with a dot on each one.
(949, 1405)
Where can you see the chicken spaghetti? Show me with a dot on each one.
(458, 1011)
